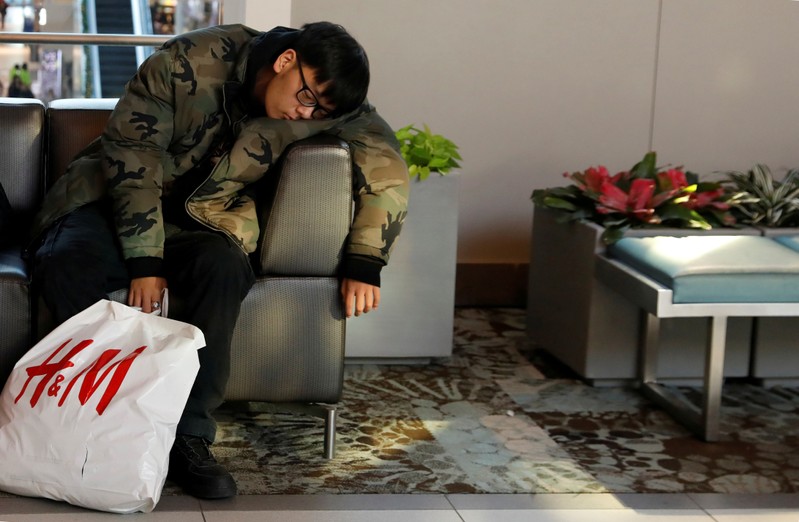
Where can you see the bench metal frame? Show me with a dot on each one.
(655, 302)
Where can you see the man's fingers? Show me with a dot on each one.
(349, 303)
(359, 304)
(146, 293)
(359, 298)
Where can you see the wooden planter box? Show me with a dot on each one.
(592, 329)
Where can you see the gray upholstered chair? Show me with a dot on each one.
(21, 160)
(288, 346)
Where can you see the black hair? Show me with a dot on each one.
(338, 60)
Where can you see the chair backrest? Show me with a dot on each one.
(307, 212)
(70, 133)
(303, 237)
(21, 156)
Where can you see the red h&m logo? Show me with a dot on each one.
(92, 378)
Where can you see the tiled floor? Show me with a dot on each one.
(437, 508)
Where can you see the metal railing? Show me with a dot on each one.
(84, 39)
(94, 39)
(92, 65)
(142, 24)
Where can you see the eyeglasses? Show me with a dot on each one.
(307, 98)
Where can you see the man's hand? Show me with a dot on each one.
(145, 291)
(358, 296)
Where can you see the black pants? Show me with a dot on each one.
(80, 262)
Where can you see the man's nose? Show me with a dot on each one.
(306, 113)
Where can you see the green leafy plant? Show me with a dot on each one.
(644, 196)
(425, 152)
(759, 199)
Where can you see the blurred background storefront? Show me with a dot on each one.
(54, 71)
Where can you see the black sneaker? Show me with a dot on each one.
(193, 467)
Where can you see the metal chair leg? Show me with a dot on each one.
(648, 352)
(330, 432)
(328, 412)
(714, 377)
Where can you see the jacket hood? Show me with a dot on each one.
(264, 50)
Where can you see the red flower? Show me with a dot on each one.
(708, 198)
(670, 183)
(637, 203)
(591, 180)
(673, 179)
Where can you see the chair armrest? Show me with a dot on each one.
(12, 265)
(305, 209)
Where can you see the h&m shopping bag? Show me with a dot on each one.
(89, 414)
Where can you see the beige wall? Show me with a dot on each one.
(532, 88)
(728, 84)
(257, 13)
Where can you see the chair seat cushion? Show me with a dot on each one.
(715, 269)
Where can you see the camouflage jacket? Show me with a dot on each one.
(180, 105)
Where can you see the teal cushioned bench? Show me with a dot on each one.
(715, 277)
(716, 269)
(791, 242)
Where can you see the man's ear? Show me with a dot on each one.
(286, 59)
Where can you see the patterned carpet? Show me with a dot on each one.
(502, 417)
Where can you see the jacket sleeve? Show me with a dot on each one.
(381, 194)
(135, 158)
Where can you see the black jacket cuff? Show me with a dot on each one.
(145, 267)
(361, 268)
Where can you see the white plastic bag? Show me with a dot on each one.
(89, 414)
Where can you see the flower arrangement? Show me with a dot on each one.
(644, 196)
